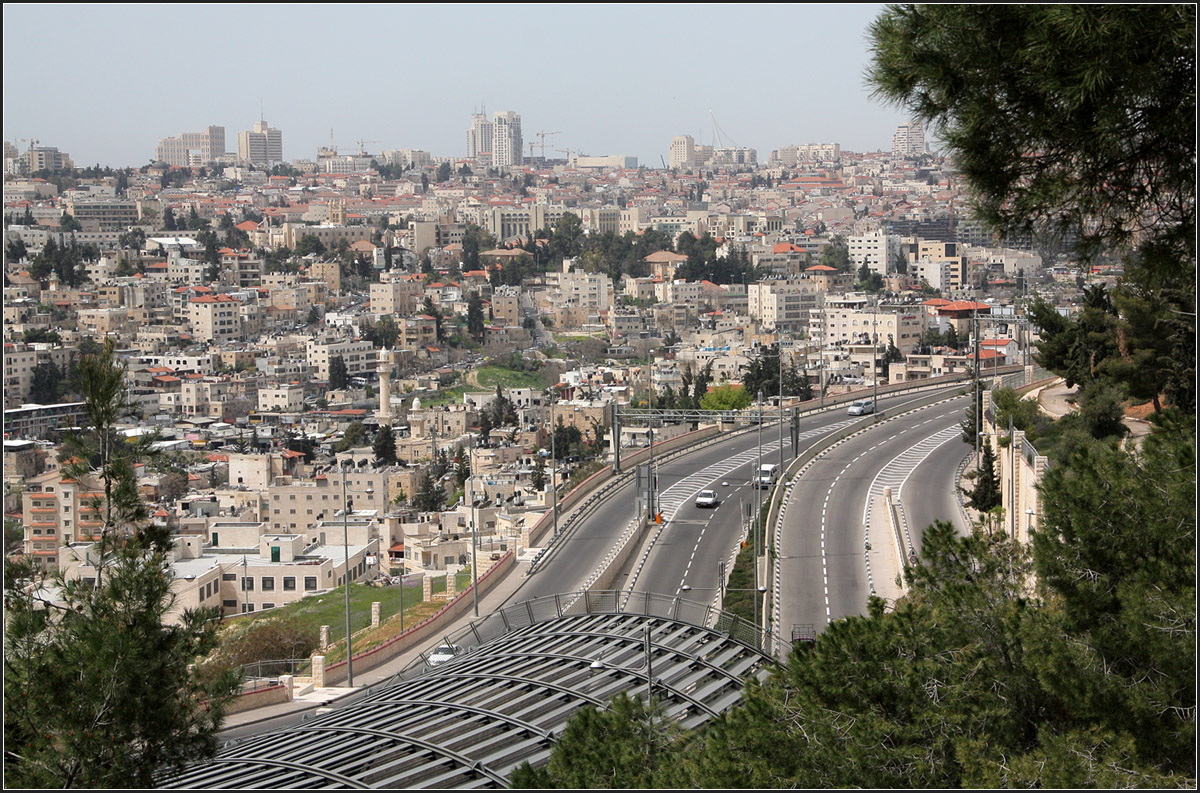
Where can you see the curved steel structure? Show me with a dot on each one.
(470, 722)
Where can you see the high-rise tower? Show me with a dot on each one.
(506, 139)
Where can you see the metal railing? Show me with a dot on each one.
(650, 604)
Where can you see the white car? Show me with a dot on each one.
(443, 653)
(707, 498)
(861, 408)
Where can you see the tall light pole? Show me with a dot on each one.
(781, 403)
(346, 554)
(650, 428)
(758, 486)
(474, 545)
(875, 356)
(553, 467)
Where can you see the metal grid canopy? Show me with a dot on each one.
(470, 722)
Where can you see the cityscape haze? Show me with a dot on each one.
(615, 79)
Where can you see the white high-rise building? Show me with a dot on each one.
(479, 136)
(261, 146)
(909, 140)
(683, 151)
(506, 139)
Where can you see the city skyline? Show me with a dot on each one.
(612, 79)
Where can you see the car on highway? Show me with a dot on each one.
(707, 498)
(443, 653)
(861, 408)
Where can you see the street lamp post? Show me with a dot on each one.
(346, 554)
(781, 404)
(553, 468)
(650, 433)
(474, 545)
(875, 356)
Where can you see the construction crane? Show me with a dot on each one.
(362, 150)
(543, 135)
(568, 153)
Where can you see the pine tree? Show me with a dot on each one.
(99, 692)
(985, 496)
(385, 446)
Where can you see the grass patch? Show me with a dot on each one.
(492, 375)
(329, 608)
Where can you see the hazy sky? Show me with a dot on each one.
(105, 82)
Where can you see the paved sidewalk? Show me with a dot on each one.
(493, 599)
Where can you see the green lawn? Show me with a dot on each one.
(329, 608)
(492, 375)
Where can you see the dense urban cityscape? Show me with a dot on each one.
(719, 417)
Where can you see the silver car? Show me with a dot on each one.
(707, 498)
(861, 408)
(443, 653)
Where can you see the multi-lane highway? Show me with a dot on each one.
(691, 543)
(822, 547)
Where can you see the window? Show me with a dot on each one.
(229, 577)
(247, 584)
(268, 584)
(229, 604)
(289, 583)
(310, 583)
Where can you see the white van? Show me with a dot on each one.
(768, 473)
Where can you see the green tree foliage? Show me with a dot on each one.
(16, 250)
(99, 692)
(538, 478)
(309, 243)
(462, 466)
(338, 375)
(726, 397)
(836, 254)
(1059, 120)
(622, 746)
(354, 435)
(475, 319)
(443, 172)
(430, 496)
(47, 384)
(385, 446)
(985, 496)
(1116, 546)
(567, 440)
(1055, 114)
(763, 375)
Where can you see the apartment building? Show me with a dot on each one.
(297, 506)
(785, 304)
(876, 249)
(103, 214)
(398, 297)
(215, 319)
(903, 325)
(59, 510)
(357, 354)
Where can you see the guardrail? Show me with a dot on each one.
(519, 615)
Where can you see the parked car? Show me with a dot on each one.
(443, 653)
(707, 498)
(861, 408)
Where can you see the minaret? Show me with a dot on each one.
(384, 368)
